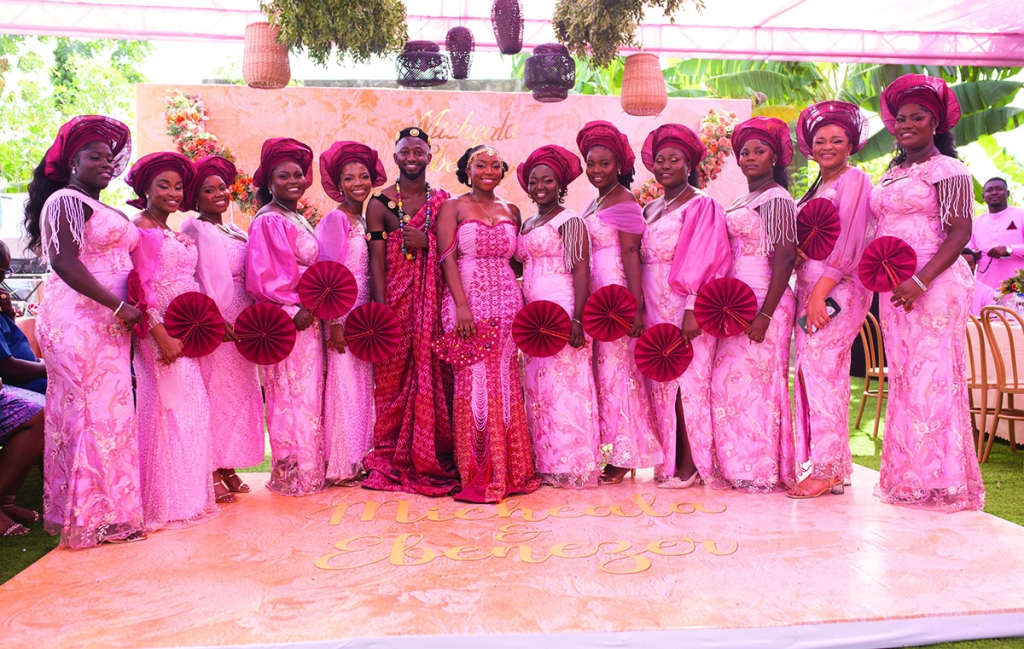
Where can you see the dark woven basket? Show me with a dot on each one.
(550, 73)
(507, 20)
(422, 65)
(460, 44)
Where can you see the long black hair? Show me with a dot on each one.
(39, 190)
(264, 196)
(781, 175)
(944, 142)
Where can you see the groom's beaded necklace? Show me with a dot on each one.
(404, 218)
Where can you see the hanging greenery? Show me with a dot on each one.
(359, 30)
(598, 28)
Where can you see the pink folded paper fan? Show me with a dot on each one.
(609, 312)
(885, 263)
(541, 329)
(328, 290)
(266, 335)
(817, 228)
(725, 307)
(662, 353)
(372, 332)
(457, 351)
(195, 320)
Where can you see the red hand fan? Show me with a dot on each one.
(195, 319)
(817, 228)
(541, 329)
(266, 335)
(725, 307)
(662, 353)
(137, 298)
(886, 262)
(372, 332)
(609, 312)
(328, 290)
(457, 351)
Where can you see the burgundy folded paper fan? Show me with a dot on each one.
(195, 320)
(328, 290)
(137, 298)
(457, 351)
(266, 335)
(609, 312)
(885, 263)
(662, 353)
(817, 228)
(725, 307)
(541, 329)
(372, 332)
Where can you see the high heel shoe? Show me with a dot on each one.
(222, 493)
(608, 480)
(835, 486)
(233, 482)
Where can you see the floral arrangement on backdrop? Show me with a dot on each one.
(715, 132)
(650, 190)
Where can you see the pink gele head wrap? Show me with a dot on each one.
(282, 149)
(839, 113)
(675, 135)
(563, 162)
(930, 92)
(334, 159)
(601, 133)
(211, 165)
(147, 168)
(770, 130)
(82, 130)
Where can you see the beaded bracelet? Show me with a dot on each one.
(919, 283)
(118, 308)
(765, 315)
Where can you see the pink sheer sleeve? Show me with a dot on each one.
(702, 250)
(332, 235)
(853, 192)
(212, 270)
(146, 261)
(271, 268)
(624, 217)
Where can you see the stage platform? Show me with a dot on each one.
(621, 566)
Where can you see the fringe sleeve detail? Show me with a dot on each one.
(74, 210)
(778, 223)
(574, 237)
(956, 198)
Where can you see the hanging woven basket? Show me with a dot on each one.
(643, 86)
(422, 65)
(507, 20)
(264, 60)
(550, 73)
(460, 44)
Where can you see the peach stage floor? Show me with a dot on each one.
(621, 566)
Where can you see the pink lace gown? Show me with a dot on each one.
(624, 405)
(928, 457)
(348, 396)
(682, 251)
(280, 250)
(493, 452)
(561, 398)
(232, 383)
(750, 408)
(91, 458)
(174, 413)
(822, 377)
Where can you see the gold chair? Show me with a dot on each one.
(874, 368)
(1008, 379)
(978, 373)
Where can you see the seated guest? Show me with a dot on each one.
(21, 439)
(998, 237)
(971, 257)
(18, 363)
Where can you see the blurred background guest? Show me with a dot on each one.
(998, 237)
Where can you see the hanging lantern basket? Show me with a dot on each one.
(643, 86)
(422, 65)
(550, 73)
(460, 44)
(265, 61)
(507, 20)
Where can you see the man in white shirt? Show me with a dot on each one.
(999, 237)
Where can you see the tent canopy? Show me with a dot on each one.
(968, 32)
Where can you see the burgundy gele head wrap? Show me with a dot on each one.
(675, 135)
(334, 159)
(769, 129)
(563, 162)
(211, 165)
(149, 167)
(82, 130)
(601, 133)
(930, 92)
(282, 149)
(840, 113)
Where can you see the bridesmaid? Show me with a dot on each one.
(232, 383)
(624, 407)
(751, 412)
(91, 459)
(477, 232)
(829, 133)
(174, 411)
(348, 171)
(561, 399)
(926, 199)
(685, 245)
(282, 246)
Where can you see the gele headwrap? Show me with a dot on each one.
(601, 133)
(840, 113)
(147, 168)
(563, 162)
(282, 149)
(82, 130)
(770, 130)
(211, 165)
(673, 135)
(334, 159)
(930, 92)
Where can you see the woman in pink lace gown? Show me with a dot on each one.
(477, 233)
(926, 199)
(751, 412)
(561, 398)
(616, 224)
(232, 382)
(829, 132)
(348, 171)
(282, 246)
(685, 245)
(91, 461)
(174, 413)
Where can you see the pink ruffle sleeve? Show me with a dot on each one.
(332, 235)
(853, 192)
(624, 217)
(271, 267)
(702, 250)
(146, 261)
(212, 270)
